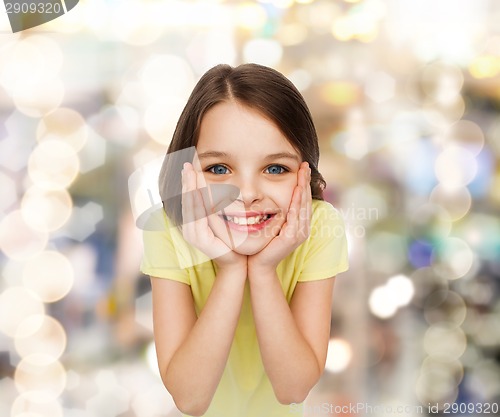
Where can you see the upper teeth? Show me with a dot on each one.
(248, 220)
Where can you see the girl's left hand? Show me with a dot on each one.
(294, 231)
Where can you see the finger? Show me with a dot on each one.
(304, 166)
(187, 197)
(305, 205)
(199, 210)
(308, 199)
(292, 219)
(193, 207)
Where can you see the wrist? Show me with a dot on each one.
(260, 270)
(234, 268)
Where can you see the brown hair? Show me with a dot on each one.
(255, 86)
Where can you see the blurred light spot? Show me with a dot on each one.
(441, 115)
(420, 253)
(209, 49)
(385, 300)
(250, 16)
(282, 4)
(29, 61)
(444, 342)
(292, 34)
(482, 232)
(485, 66)
(119, 123)
(301, 79)
(17, 146)
(426, 282)
(453, 258)
(160, 119)
(445, 307)
(339, 355)
(73, 380)
(487, 332)
(153, 401)
(363, 204)
(455, 167)
(436, 386)
(494, 191)
(41, 375)
(166, 76)
(386, 252)
(456, 201)
(486, 165)
(493, 134)
(136, 22)
(152, 359)
(361, 22)
(46, 211)
(93, 154)
(37, 405)
(50, 275)
(143, 187)
(263, 51)
(112, 399)
(37, 100)
(442, 82)
(17, 304)
(9, 192)
(402, 289)
(468, 135)
(341, 93)
(453, 368)
(429, 221)
(18, 240)
(42, 335)
(380, 87)
(53, 165)
(63, 124)
(381, 302)
(342, 28)
(83, 221)
(414, 163)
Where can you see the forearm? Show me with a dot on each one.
(195, 369)
(289, 361)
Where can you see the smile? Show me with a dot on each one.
(248, 222)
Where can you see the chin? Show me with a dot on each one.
(248, 251)
(249, 247)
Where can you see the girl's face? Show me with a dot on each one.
(240, 147)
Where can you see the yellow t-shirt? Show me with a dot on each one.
(244, 389)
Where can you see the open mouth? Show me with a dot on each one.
(248, 221)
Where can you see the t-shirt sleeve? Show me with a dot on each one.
(325, 253)
(161, 257)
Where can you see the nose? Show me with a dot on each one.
(250, 191)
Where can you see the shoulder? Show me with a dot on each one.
(325, 217)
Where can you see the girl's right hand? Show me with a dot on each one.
(195, 226)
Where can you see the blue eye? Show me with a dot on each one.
(276, 169)
(218, 169)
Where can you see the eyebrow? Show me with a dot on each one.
(279, 155)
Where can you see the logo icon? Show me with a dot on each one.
(26, 14)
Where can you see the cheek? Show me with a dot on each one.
(282, 194)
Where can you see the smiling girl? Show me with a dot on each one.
(243, 331)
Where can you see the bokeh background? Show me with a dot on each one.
(405, 95)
